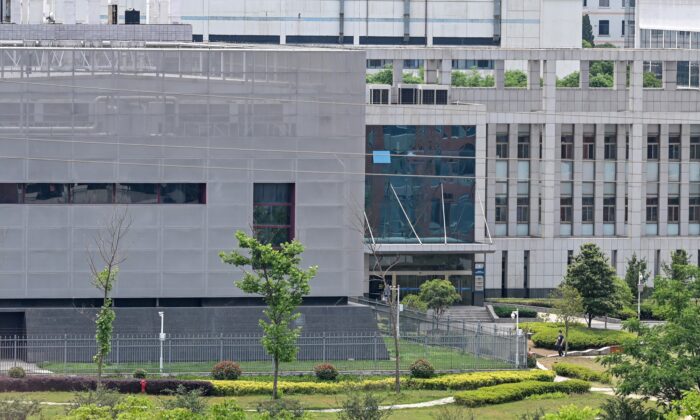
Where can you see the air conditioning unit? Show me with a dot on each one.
(379, 95)
(423, 94)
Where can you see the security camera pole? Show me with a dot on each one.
(162, 339)
(516, 316)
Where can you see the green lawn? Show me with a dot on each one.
(442, 358)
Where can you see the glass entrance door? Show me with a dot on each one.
(465, 287)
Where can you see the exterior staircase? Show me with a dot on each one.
(468, 314)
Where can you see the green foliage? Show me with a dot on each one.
(139, 374)
(438, 295)
(100, 397)
(548, 396)
(680, 267)
(362, 407)
(601, 81)
(422, 368)
(663, 361)
(515, 79)
(586, 44)
(382, 77)
(16, 372)
(650, 80)
(605, 45)
(90, 412)
(572, 80)
(177, 414)
(531, 361)
(227, 410)
(454, 412)
(226, 370)
(464, 381)
(275, 275)
(134, 408)
(505, 311)
(190, 400)
(326, 372)
(621, 408)
(414, 303)
(573, 412)
(587, 31)
(471, 79)
(103, 334)
(280, 409)
(18, 409)
(498, 394)
(593, 277)
(635, 266)
(409, 78)
(571, 370)
(689, 405)
(579, 338)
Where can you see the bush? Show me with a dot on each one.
(580, 338)
(462, 381)
(517, 391)
(365, 407)
(16, 372)
(280, 409)
(18, 409)
(515, 79)
(227, 410)
(570, 370)
(189, 399)
(78, 383)
(505, 311)
(531, 361)
(548, 396)
(573, 412)
(414, 303)
(471, 79)
(382, 77)
(422, 368)
(139, 374)
(326, 372)
(622, 408)
(226, 370)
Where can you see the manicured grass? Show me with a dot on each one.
(442, 358)
(580, 337)
(587, 362)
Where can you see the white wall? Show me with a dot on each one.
(679, 15)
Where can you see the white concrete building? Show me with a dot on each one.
(608, 20)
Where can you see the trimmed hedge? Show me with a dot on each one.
(571, 370)
(505, 311)
(542, 302)
(502, 393)
(580, 337)
(78, 383)
(462, 381)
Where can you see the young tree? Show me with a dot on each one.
(679, 268)
(569, 306)
(438, 295)
(274, 274)
(104, 260)
(635, 266)
(591, 275)
(587, 30)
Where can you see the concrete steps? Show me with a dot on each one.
(468, 314)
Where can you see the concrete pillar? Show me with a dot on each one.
(446, 72)
(499, 74)
(670, 75)
(663, 180)
(636, 102)
(578, 179)
(491, 175)
(481, 177)
(620, 185)
(397, 66)
(535, 130)
(685, 179)
(550, 209)
(584, 74)
(556, 192)
(430, 71)
(599, 179)
(620, 76)
(636, 186)
(533, 75)
(512, 179)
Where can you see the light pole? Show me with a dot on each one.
(162, 339)
(516, 316)
(640, 286)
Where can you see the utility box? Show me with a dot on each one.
(112, 15)
(132, 17)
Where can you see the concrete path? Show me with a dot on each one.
(5, 365)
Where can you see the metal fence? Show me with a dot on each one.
(360, 352)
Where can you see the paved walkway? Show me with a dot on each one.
(5, 365)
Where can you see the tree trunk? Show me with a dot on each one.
(566, 337)
(99, 372)
(590, 319)
(276, 362)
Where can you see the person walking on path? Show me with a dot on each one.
(559, 344)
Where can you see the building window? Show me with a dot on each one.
(10, 193)
(103, 193)
(136, 193)
(587, 209)
(609, 210)
(604, 3)
(273, 212)
(569, 257)
(501, 209)
(652, 210)
(524, 146)
(674, 209)
(504, 273)
(622, 27)
(694, 209)
(695, 148)
(502, 146)
(589, 146)
(45, 193)
(626, 208)
(526, 273)
(523, 209)
(91, 193)
(674, 146)
(604, 27)
(611, 147)
(567, 142)
(181, 194)
(566, 210)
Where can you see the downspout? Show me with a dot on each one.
(341, 22)
(406, 21)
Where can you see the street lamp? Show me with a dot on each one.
(516, 316)
(162, 339)
(640, 286)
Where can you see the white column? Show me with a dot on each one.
(550, 209)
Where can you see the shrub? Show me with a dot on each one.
(100, 397)
(549, 396)
(89, 412)
(134, 407)
(414, 303)
(232, 388)
(78, 383)
(226, 370)
(580, 338)
(454, 412)
(463, 381)
(189, 399)
(139, 374)
(623, 408)
(580, 372)
(422, 368)
(18, 409)
(227, 410)
(517, 391)
(573, 412)
(365, 407)
(16, 372)
(326, 372)
(505, 311)
(531, 361)
(280, 409)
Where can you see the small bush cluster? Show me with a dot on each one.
(226, 370)
(365, 407)
(531, 361)
(78, 383)
(139, 374)
(463, 381)
(548, 396)
(580, 337)
(18, 409)
(505, 311)
(574, 412)
(280, 409)
(502, 393)
(580, 372)
(326, 372)
(16, 372)
(422, 368)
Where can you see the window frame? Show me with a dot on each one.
(290, 204)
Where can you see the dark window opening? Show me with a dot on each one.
(273, 213)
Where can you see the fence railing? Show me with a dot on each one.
(196, 353)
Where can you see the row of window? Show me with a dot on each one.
(609, 210)
(606, 3)
(102, 193)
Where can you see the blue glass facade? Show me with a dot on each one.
(427, 185)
